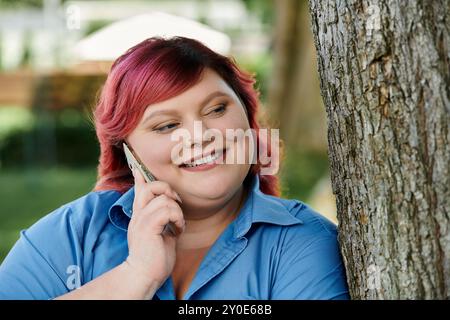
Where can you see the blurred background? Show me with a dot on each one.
(55, 55)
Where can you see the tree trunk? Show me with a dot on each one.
(384, 69)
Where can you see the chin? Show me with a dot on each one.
(214, 185)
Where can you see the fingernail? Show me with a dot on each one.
(178, 197)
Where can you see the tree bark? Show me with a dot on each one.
(384, 73)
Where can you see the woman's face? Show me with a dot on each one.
(212, 104)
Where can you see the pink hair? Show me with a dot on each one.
(155, 70)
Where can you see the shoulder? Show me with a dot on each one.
(82, 209)
(313, 221)
(39, 263)
(72, 220)
(315, 231)
(313, 224)
(309, 237)
(294, 224)
(309, 264)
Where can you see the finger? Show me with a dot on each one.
(167, 218)
(177, 218)
(150, 190)
(172, 230)
(139, 179)
(159, 202)
(139, 184)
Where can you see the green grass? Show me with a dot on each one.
(28, 195)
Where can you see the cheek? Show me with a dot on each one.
(242, 146)
(156, 152)
(232, 120)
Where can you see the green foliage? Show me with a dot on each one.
(13, 119)
(59, 138)
(95, 26)
(260, 65)
(21, 3)
(57, 130)
(264, 9)
(300, 172)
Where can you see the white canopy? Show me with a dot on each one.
(113, 40)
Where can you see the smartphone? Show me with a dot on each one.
(134, 162)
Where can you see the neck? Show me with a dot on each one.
(204, 225)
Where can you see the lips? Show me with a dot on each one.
(193, 159)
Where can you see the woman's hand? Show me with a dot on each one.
(151, 256)
(151, 245)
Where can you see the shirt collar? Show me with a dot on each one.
(258, 207)
(121, 210)
(263, 208)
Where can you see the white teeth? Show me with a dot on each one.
(206, 159)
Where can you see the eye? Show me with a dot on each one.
(220, 109)
(166, 127)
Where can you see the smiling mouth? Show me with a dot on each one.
(209, 159)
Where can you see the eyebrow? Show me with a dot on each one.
(202, 104)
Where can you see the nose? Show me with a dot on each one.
(195, 138)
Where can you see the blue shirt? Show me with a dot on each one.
(275, 249)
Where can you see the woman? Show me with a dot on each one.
(232, 236)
